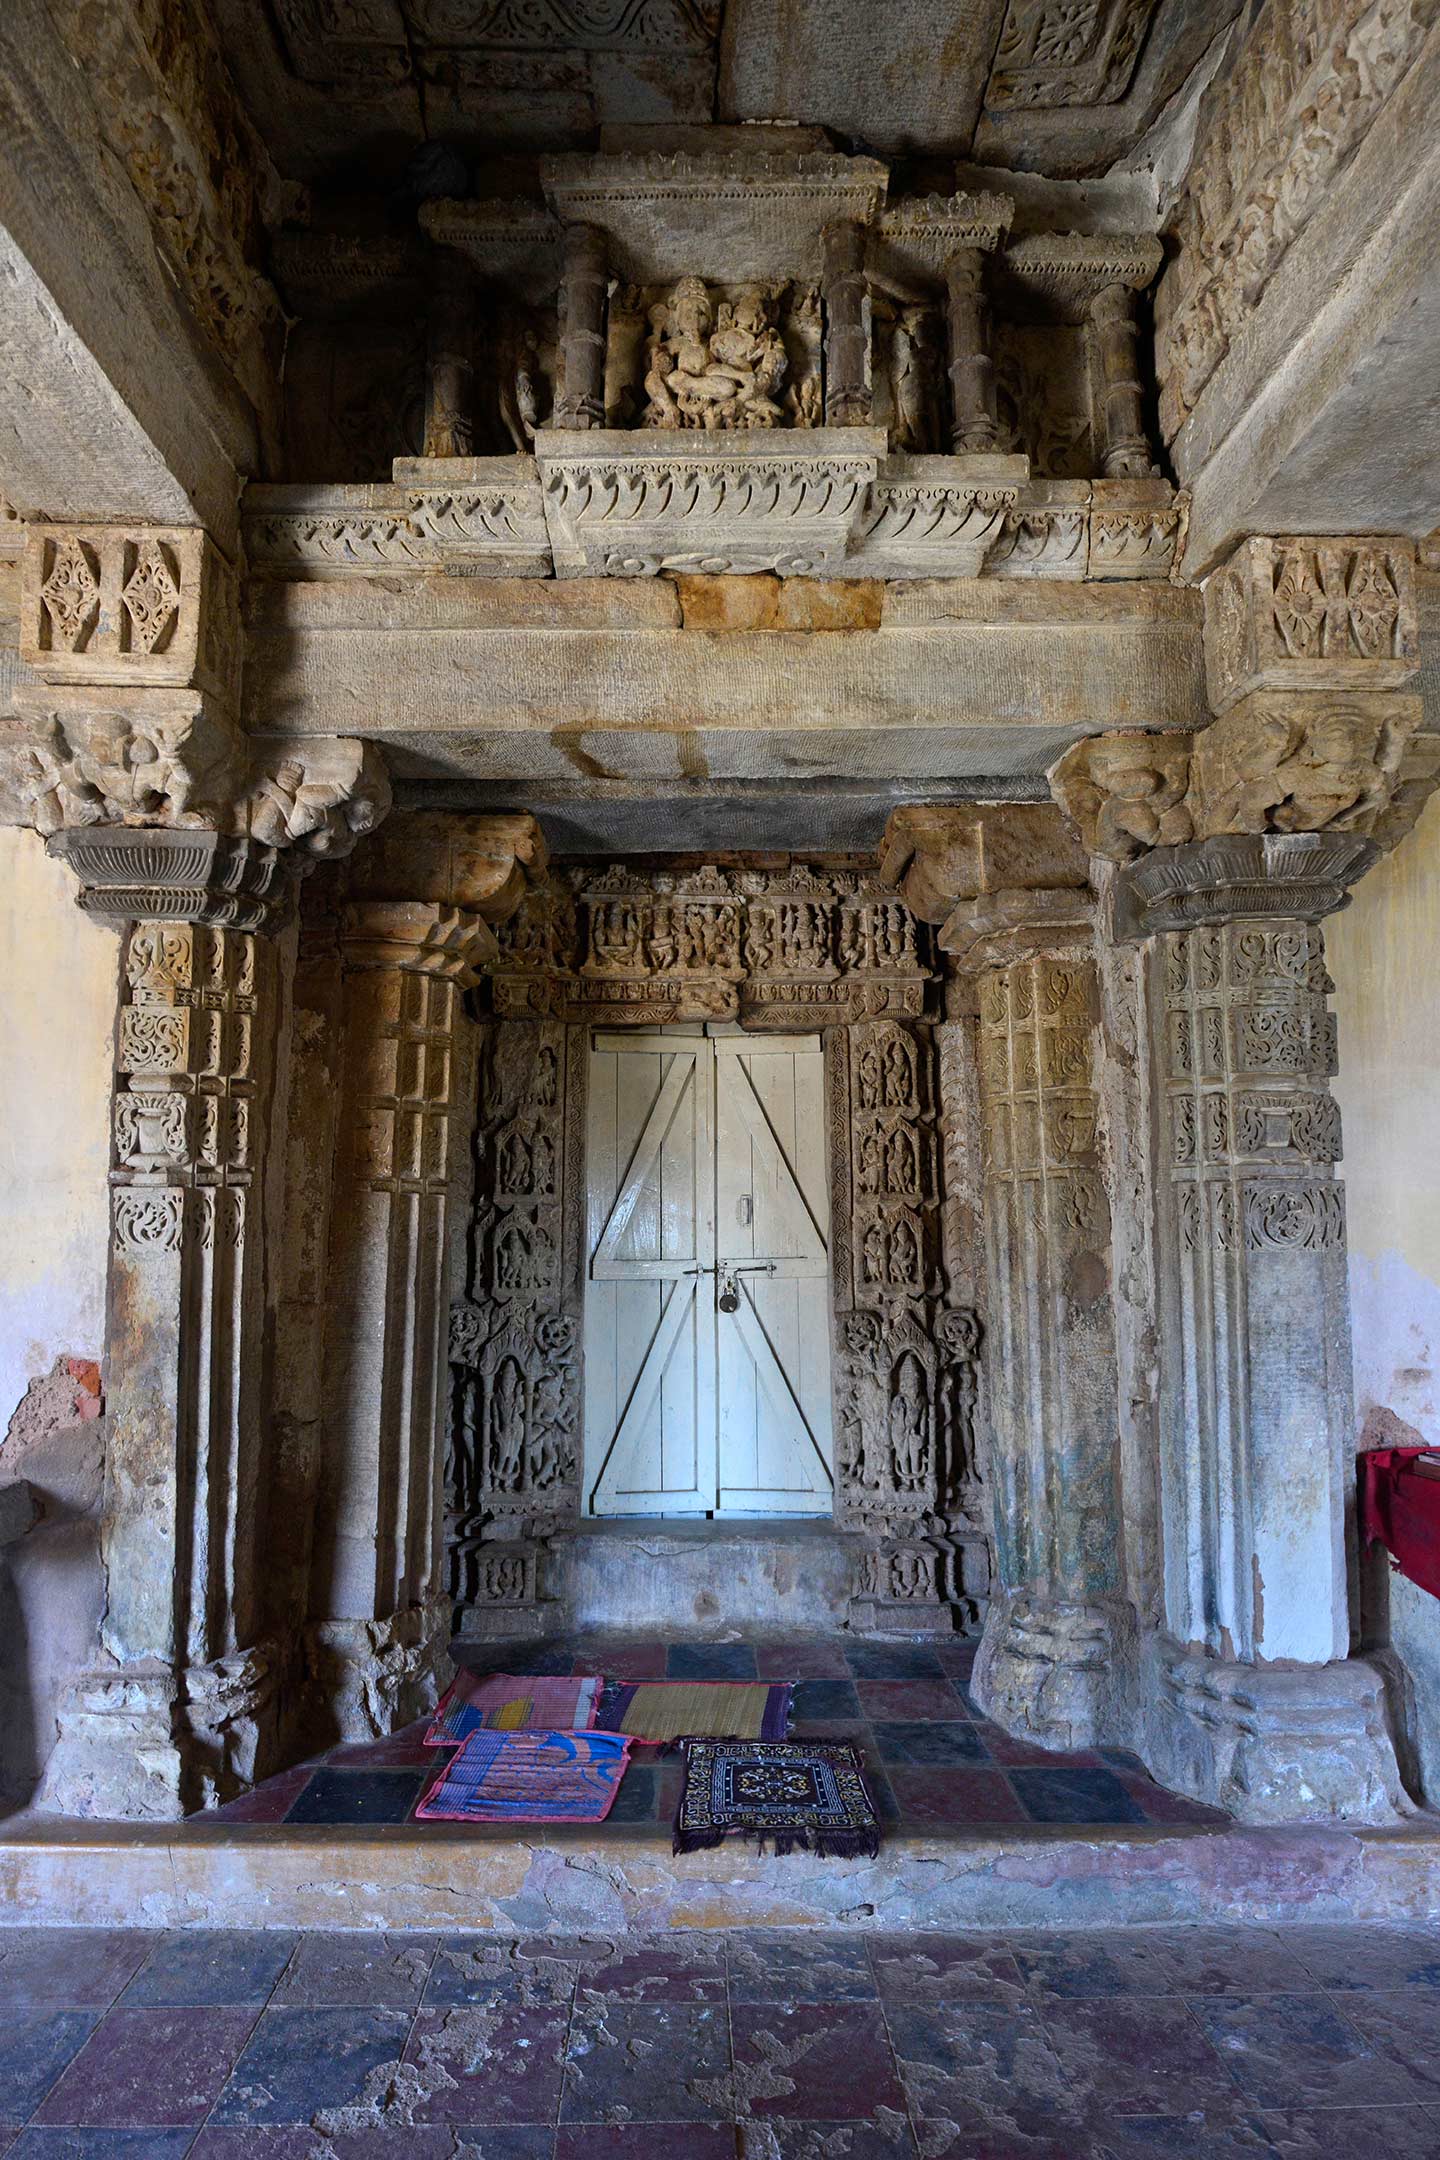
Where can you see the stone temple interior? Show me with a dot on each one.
(716, 733)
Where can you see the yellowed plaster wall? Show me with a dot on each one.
(1385, 958)
(57, 1015)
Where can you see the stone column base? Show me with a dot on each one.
(918, 1584)
(505, 1589)
(367, 1678)
(1273, 1743)
(144, 1743)
(1062, 1672)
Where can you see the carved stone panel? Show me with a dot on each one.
(1311, 615)
(1055, 52)
(147, 604)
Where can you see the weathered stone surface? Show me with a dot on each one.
(1306, 615)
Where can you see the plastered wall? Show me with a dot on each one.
(1384, 955)
(59, 989)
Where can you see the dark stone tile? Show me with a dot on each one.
(813, 2062)
(37, 2045)
(1224, 1961)
(1223, 2132)
(1074, 1796)
(946, 1799)
(1362, 1957)
(794, 1965)
(363, 1972)
(530, 1660)
(621, 1659)
(1017, 2133)
(825, 1701)
(401, 1750)
(107, 2144)
(1135, 2055)
(161, 2068)
(986, 2059)
(267, 1803)
(391, 2141)
(211, 1965)
(801, 1660)
(1402, 2024)
(1120, 1758)
(1117, 1961)
(893, 1661)
(1015, 1751)
(82, 1968)
(357, 1796)
(486, 1971)
(487, 2063)
(1358, 2133)
(300, 2061)
(957, 1653)
(885, 2136)
(710, 1661)
(924, 1968)
(889, 1700)
(1159, 1806)
(636, 1800)
(682, 1968)
(935, 1744)
(644, 2141)
(1296, 2051)
(647, 2062)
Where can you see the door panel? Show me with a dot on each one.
(706, 1166)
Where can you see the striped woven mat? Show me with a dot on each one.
(655, 1711)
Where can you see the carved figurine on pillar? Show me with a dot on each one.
(1313, 767)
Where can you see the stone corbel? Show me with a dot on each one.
(947, 861)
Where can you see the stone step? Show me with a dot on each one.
(589, 1882)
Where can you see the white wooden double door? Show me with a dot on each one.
(707, 1313)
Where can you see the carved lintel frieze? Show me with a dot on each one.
(128, 605)
(1057, 276)
(1307, 614)
(476, 517)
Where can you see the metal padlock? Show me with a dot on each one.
(729, 1299)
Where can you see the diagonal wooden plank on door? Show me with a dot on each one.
(647, 1147)
(629, 1434)
(807, 1233)
(781, 1396)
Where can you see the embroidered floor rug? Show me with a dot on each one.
(511, 1702)
(655, 1711)
(797, 1795)
(500, 1777)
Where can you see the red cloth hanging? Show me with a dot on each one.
(1400, 1509)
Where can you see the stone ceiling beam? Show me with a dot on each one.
(112, 409)
(1320, 414)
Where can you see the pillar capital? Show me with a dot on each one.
(481, 863)
(998, 881)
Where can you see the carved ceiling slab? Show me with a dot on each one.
(1067, 52)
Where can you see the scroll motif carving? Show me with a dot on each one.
(1058, 52)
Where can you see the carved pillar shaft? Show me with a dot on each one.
(847, 328)
(582, 328)
(182, 1712)
(1046, 1663)
(450, 360)
(1117, 340)
(1260, 1706)
(973, 424)
(380, 1613)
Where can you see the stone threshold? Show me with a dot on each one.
(576, 1882)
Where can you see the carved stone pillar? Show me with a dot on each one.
(1126, 455)
(178, 1712)
(973, 423)
(581, 403)
(847, 327)
(414, 933)
(1010, 893)
(1233, 846)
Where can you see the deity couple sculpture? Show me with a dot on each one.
(709, 371)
